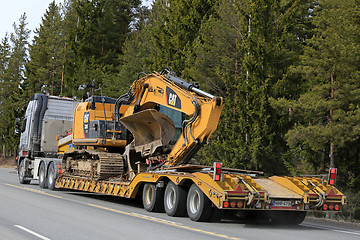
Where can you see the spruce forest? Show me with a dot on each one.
(288, 70)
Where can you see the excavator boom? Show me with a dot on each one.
(159, 100)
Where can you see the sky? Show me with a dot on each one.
(11, 11)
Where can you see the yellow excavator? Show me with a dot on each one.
(161, 122)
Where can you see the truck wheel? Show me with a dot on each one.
(153, 198)
(175, 200)
(198, 205)
(287, 217)
(51, 176)
(21, 173)
(42, 176)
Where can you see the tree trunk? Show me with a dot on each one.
(63, 70)
(332, 157)
(235, 80)
(53, 78)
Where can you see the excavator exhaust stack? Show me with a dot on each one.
(151, 130)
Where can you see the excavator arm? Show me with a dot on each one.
(154, 129)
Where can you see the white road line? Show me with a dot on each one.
(32, 232)
(159, 219)
(330, 229)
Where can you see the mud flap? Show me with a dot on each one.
(151, 129)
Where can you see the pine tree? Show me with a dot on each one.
(45, 70)
(11, 96)
(176, 25)
(243, 54)
(5, 50)
(4, 55)
(97, 38)
(327, 116)
(138, 51)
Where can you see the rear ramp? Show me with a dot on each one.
(275, 190)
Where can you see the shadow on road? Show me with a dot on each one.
(249, 219)
(107, 198)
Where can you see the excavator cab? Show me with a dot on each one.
(177, 117)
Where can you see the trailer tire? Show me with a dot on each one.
(175, 200)
(42, 176)
(51, 176)
(198, 205)
(287, 217)
(153, 198)
(21, 173)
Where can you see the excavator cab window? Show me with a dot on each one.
(177, 117)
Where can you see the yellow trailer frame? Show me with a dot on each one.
(246, 191)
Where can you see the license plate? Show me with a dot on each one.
(282, 203)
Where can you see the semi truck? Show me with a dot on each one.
(45, 118)
(143, 144)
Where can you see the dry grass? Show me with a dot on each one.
(7, 162)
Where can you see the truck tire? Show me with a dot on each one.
(153, 198)
(51, 176)
(42, 176)
(175, 200)
(21, 173)
(198, 205)
(287, 217)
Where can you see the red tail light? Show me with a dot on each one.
(325, 207)
(233, 204)
(226, 204)
(337, 207)
(239, 204)
(217, 171)
(332, 175)
(331, 207)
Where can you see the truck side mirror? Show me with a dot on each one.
(17, 125)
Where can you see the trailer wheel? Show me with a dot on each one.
(175, 200)
(153, 198)
(21, 173)
(51, 176)
(42, 176)
(287, 217)
(198, 205)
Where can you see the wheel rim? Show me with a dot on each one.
(41, 174)
(51, 176)
(171, 198)
(21, 173)
(194, 202)
(148, 194)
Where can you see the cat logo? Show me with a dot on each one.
(172, 98)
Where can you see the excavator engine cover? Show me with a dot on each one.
(151, 129)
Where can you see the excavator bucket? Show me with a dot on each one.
(151, 129)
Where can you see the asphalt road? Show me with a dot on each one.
(28, 212)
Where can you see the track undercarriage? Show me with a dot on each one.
(95, 165)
